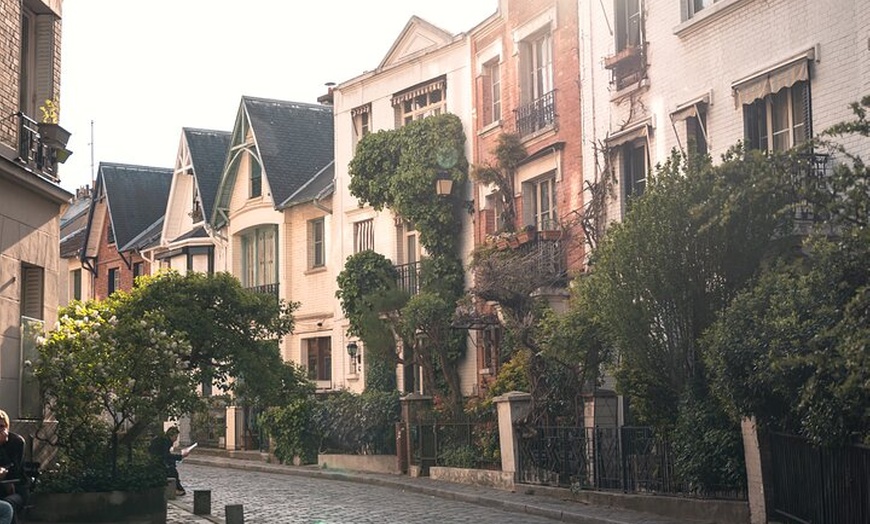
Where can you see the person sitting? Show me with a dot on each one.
(161, 447)
(14, 483)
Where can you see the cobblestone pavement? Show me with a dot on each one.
(286, 499)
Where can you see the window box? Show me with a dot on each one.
(628, 56)
(54, 135)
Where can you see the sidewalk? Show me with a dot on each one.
(529, 502)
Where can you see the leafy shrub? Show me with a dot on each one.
(67, 477)
(358, 424)
(292, 430)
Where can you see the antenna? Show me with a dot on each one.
(91, 143)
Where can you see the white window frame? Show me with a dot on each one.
(361, 118)
(363, 235)
(317, 243)
(536, 65)
(492, 92)
(259, 256)
(540, 202)
(429, 99)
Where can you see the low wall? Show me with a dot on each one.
(139, 507)
(718, 511)
(369, 463)
(477, 477)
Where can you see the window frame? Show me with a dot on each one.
(76, 284)
(540, 202)
(630, 153)
(317, 246)
(427, 99)
(32, 301)
(361, 121)
(491, 91)
(536, 65)
(363, 235)
(624, 11)
(113, 280)
(255, 176)
(759, 119)
(257, 244)
(319, 351)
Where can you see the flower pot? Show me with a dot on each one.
(526, 236)
(54, 135)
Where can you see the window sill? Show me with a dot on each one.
(352, 377)
(315, 270)
(485, 371)
(706, 16)
(549, 129)
(488, 128)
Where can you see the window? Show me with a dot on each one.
(407, 255)
(780, 120)
(539, 202)
(316, 243)
(114, 280)
(536, 66)
(491, 92)
(319, 358)
(256, 177)
(259, 256)
(693, 6)
(634, 169)
(628, 30)
(363, 235)
(491, 339)
(419, 102)
(32, 291)
(696, 134)
(195, 208)
(361, 122)
(138, 270)
(37, 61)
(75, 279)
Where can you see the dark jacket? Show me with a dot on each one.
(161, 446)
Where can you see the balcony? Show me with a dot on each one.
(536, 115)
(266, 289)
(39, 151)
(409, 278)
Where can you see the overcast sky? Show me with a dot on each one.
(143, 69)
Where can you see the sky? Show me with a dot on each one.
(143, 69)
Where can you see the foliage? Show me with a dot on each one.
(359, 424)
(231, 330)
(50, 110)
(102, 370)
(509, 152)
(291, 427)
(513, 376)
(365, 274)
(95, 476)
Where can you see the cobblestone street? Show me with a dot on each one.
(285, 499)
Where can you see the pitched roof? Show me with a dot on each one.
(198, 232)
(319, 186)
(150, 237)
(417, 37)
(71, 245)
(208, 152)
(295, 141)
(136, 197)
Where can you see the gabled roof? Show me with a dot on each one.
(208, 152)
(320, 186)
(150, 237)
(417, 36)
(72, 244)
(293, 140)
(135, 196)
(197, 232)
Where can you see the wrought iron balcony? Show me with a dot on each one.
(811, 171)
(547, 252)
(37, 152)
(409, 277)
(266, 289)
(536, 115)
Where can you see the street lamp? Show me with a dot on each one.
(443, 183)
(353, 351)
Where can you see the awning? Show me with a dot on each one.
(414, 92)
(771, 80)
(361, 110)
(630, 133)
(690, 109)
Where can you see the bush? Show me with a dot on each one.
(358, 424)
(67, 477)
(292, 431)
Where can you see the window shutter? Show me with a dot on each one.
(808, 110)
(31, 292)
(484, 87)
(44, 59)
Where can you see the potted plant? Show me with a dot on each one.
(527, 234)
(49, 129)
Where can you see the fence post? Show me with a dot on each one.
(510, 407)
(755, 471)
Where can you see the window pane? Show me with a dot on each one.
(779, 111)
(799, 111)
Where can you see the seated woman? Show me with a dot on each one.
(14, 484)
(161, 447)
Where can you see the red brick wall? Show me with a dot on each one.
(108, 258)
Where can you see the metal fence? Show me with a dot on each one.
(464, 444)
(628, 459)
(817, 484)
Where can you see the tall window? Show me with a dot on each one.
(363, 235)
(778, 121)
(361, 122)
(539, 202)
(696, 134)
(491, 92)
(420, 101)
(316, 243)
(536, 66)
(256, 177)
(319, 358)
(114, 280)
(634, 169)
(37, 61)
(259, 256)
(75, 278)
(32, 291)
(628, 18)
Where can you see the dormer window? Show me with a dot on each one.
(255, 177)
(420, 101)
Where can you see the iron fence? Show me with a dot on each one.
(629, 459)
(409, 277)
(817, 484)
(208, 427)
(537, 114)
(462, 444)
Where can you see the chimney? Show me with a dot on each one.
(327, 98)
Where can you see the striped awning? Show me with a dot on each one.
(773, 79)
(416, 91)
(367, 108)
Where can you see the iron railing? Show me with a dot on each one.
(208, 426)
(266, 289)
(810, 175)
(409, 277)
(818, 484)
(462, 444)
(628, 459)
(537, 114)
(33, 151)
(548, 254)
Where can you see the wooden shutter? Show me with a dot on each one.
(44, 73)
(32, 291)
(484, 87)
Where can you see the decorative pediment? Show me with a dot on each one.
(417, 37)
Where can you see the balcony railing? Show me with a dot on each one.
(33, 151)
(810, 172)
(266, 289)
(547, 251)
(536, 115)
(409, 278)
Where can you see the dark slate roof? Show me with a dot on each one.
(320, 186)
(136, 196)
(294, 139)
(198, 232)
(150, 237)
(76, 209)
(71, 245)
(208, 152)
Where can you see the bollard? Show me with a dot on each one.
(235, 514)
(202, 502)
